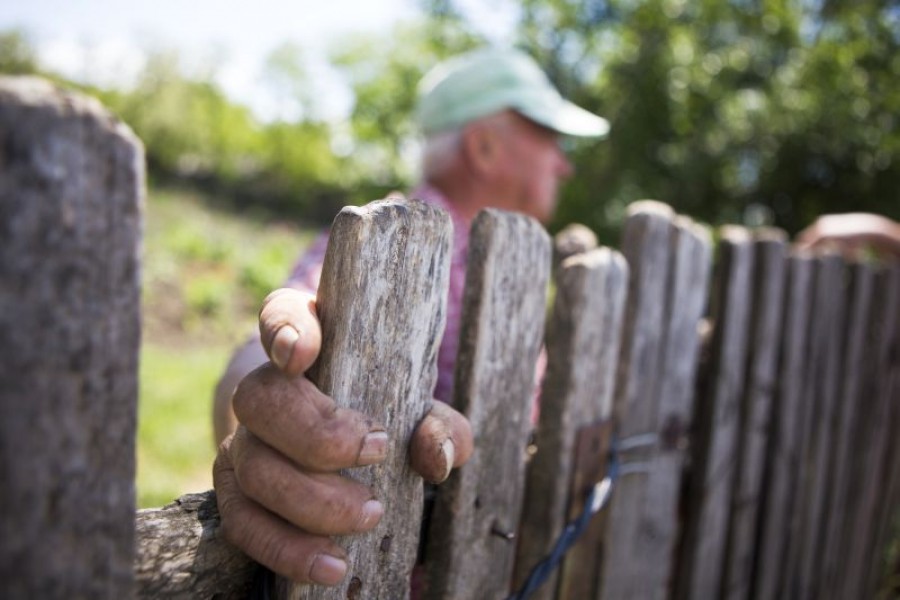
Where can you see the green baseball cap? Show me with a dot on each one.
(486, 81)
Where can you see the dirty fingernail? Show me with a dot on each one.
(374, 448)
(327, 570)
(283, 345)
(371, 513)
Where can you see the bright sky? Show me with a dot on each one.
(102, 41)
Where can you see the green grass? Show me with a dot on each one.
(175, 441)
(205, 273)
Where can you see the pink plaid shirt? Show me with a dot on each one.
(307, 271)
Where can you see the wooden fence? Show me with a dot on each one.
(749, 411)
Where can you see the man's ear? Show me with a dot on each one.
(481, 148)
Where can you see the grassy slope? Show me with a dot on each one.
(205, 273)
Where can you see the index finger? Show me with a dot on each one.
(289, 329)
(291, 415)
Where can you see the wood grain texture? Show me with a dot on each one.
(583, 339)
(770, 250)
(824, 378)
(854, 355)
(717, 421)
(71, 189)
(382, 305)
(502, 329)
(181, 554)
(780, 516)
(889, 509)
(875, 434)
(669, 258)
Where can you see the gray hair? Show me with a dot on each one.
(439, 152)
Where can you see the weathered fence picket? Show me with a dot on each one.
(778, 517)
(862, 279)
(583, 338)
(669, 262)
(382, 304)
(793, 471)
(824, 377)
(878, 399)
(885, 523)
(717, 422)
(770, 261)
(71, 189)
(472, 544)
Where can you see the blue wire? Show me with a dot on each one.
(570, 534)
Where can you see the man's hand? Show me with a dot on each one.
(279, 493)
(852, 234)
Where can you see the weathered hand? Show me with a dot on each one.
(279, 492)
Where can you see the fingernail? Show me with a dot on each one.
(448, 449)
(371, 513)
(374, 448)
(283, 346)
(327, 570)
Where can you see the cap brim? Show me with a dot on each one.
(570, 119)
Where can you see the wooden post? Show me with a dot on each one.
(714, 449)
(778, 520)
(71, 188)
(770, 249)
(669, 261)
(583, 340)
(471, 546)
(382, 304)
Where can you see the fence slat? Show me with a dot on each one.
(783, 464)
(503, 322)
(669, 262)
(862, 279)
(822, 384)
(770, 256)
(714, 448)
(885, 524)
(71, 186)
(583, 340)
(381, 302)
(874, 434)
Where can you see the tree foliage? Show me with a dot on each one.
(719, 107)
(757, 111)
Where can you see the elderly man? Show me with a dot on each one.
(492, 122)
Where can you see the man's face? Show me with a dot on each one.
(536, 166)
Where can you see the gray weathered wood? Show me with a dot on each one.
(382, 304)
(714, 449)
(822, 385)
(669, 260)
(571, 240)
(503, 322)
(71, 188)
(583, 338)
(881, 571)
(855, 353)
(871, 445)
(779, 519)
(770, 251)
(181, 554)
